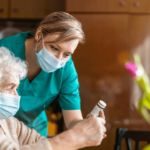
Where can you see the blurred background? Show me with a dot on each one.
(114, 30)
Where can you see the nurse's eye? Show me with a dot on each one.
(54, 48)
(66, 55)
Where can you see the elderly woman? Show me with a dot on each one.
(14, 135)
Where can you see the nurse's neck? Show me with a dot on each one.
(30, 57)
(30, 53)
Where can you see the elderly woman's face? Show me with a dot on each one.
(10, 86)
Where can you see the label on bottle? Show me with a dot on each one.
(96, 111)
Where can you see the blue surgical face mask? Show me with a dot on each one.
(9, 105)
(47, 61)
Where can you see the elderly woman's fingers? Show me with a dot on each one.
(105, 135)
(88, 116)
(101, 114)
(101, 121)
(103, 129)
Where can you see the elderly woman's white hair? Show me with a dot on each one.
(9, 64)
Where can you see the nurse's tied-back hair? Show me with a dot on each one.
(63, 24)
(9, 64)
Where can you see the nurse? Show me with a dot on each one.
(51, 71)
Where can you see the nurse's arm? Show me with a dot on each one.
(71, 117)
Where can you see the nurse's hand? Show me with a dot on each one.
(89, 132)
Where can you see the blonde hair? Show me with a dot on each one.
(63, 24)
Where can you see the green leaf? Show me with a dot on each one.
(137, 60)
(143, 105)
(147, 147)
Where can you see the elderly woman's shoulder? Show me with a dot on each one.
(11, 120)
(8, 124)
(11, 125)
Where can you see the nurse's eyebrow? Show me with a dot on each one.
(55, 44)
(58, 46)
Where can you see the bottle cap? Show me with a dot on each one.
(102, 104)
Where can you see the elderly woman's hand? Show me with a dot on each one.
(101, 114)
(90, 132)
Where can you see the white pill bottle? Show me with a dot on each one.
(99, 107)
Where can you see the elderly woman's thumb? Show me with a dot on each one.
(101, 114)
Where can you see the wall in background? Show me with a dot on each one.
(114, 30)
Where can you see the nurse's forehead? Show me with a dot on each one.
(52, 37)
(69, 46)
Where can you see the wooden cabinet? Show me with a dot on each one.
(4, 9)
(139, 32)
(106, 37)
(139, 6)
(131, 6)
(97, 5)
(29, 9)
(24, 9)
(38, 9)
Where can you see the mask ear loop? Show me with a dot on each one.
(43, 39)
(37, 43)
(36, 47)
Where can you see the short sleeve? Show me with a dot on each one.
(69, 98)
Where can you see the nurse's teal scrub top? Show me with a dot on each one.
(45, 87)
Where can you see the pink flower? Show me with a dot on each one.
(131, 68)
